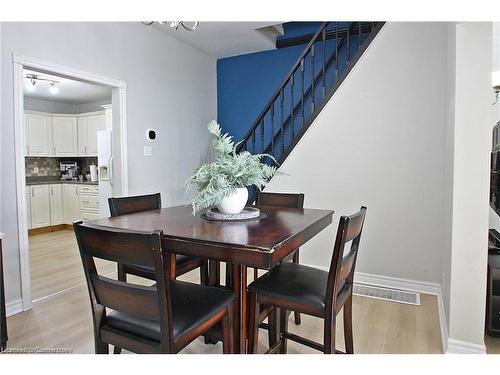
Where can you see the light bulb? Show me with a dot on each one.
(30, 86)
(53, 88)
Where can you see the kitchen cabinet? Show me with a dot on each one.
(88, 126)
(40, 206)
(89, 202)
(37, 133)
(71, 203)
(56, 204)
(28, 206)
(64, 136)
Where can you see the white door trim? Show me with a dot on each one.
(119, 91)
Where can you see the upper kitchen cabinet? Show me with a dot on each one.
(88, 126)
(37, 134)
(64, 136)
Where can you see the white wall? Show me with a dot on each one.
(379, 142)
(448, 147)
(471, 169)
(171, 87)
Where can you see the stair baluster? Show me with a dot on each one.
(282, 121)
(312, 80)
(302, 118)
(292, 107)
(324, 63)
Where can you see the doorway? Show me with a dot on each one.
(77, 166)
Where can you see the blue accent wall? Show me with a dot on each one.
(245, 84)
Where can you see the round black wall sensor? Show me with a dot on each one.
(151, 135)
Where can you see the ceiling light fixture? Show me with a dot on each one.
(34, 78)
(175, 24)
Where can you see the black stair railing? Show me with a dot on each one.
(308, 87)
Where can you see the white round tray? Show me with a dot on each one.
(248, 213)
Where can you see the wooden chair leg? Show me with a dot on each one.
(253, 328)
(117, 350)
(227, 333)
(296, 314)
(349, 343)
(122, 276)
(101, 347)
(283, 329)
(273, 332)
(329, 330)
(204, 273)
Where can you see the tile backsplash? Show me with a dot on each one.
(49, 167)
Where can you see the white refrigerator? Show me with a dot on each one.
(105, 170)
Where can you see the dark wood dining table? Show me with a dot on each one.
(260, 243)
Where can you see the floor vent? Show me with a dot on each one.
(394, 295)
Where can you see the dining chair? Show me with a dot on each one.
(183, 263)
(311, 291)
(162, 318)
(281, 200)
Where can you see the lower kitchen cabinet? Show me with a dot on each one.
(71, 203)
(40, 206)
(56, 204)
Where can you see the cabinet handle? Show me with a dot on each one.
(54, 149)
(51, 190)
(85, 149)
(28, 149)
(32, 192)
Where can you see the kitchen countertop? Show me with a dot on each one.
(51, 180)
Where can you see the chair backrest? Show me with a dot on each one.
(138, 203)
(280, 199)
(141, 248)
(342, 267)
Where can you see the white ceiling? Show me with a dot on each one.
(70, 91)
(224, 39)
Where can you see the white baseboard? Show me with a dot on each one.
(398, 283)
(463, 347)
(411, 286)
(14, 307)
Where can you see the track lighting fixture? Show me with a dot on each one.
(34, 78)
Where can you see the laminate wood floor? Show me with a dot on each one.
(61, 317)
(55, 263)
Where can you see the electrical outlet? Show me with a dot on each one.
(148, 151)
(35, 170)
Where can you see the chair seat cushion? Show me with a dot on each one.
(180, 262)
(294, 283)
(192, 305)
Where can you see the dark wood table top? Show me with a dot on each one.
(260, 243)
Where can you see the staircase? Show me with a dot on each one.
(314, 78)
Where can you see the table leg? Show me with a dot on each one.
(213, 273)
(239, 285)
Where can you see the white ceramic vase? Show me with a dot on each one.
(234, 203)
